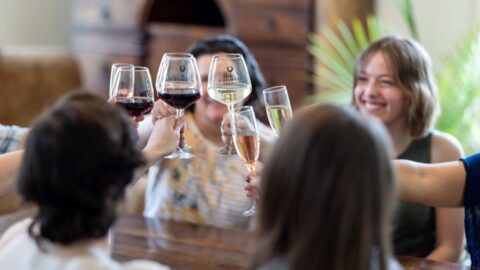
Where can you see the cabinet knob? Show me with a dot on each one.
(105, 12)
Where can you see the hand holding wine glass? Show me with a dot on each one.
(246, 140)
(228, 82)
(179, 85)
(278, 107)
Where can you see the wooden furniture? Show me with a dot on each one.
(33, 78)
(139, 32)
(188, 246)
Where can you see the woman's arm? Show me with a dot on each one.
(449, 228)
(9, 167)
(437, 185)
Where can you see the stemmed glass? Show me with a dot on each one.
(247, 141)
(278, 107)
(133, 90)
(113, 73)
(179, 85)
(228, 83)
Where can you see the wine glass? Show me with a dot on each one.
(133, 90)
(246, 140)
(113, 73)
(278, 107)
(179, 85)
(228, 83)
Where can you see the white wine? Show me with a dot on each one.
(278, 116)
(229, 94)
(248, 147)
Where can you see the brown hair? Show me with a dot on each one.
(326, 196)
(79, 158)
(411, 67)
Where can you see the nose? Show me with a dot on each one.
(370, 89)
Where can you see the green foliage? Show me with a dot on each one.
(336, 50)
(459, 93)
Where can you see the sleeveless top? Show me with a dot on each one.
(414, 224)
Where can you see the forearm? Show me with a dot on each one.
(449, 232)
(9, 168)
(438, 185)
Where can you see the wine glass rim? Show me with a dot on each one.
(178, 55)
(119, 65)
(275, 89)
(228, 55)
(140, 68)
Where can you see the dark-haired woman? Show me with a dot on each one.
(79, 158)
(325, 199)
(207, 189)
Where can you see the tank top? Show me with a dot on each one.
(414, 224)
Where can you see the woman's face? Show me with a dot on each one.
(377, 93)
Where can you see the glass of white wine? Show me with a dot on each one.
(278, 107)
(247, 141)
(228, 83)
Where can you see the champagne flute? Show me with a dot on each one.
(113, 73)
(133, 90)
(179, 85)
(247, 141)
(228, 83)
(278, 107)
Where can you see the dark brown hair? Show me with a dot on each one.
(79, 157)
(411, 68)
(326, 194)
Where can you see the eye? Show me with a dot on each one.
(361, 78)
(386, 82)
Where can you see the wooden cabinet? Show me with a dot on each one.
(140, 31)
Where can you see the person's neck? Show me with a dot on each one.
(401, 138)
(209, 132)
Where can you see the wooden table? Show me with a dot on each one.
(188, 246)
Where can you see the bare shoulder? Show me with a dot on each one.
(445, 147)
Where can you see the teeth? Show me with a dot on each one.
(370, 106)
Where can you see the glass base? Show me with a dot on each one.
(250, 212)
(227, 150)
(180, 155)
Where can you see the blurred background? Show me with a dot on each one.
(48, 47)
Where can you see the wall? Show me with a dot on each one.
(27, 22)
(441, 23)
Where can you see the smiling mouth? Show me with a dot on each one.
(370, 106)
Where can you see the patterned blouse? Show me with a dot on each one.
(206, 189)
(11, 138)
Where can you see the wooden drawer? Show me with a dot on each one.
(95, 69)
(270, 25)
(109, 14)
(109, 43)
(173, 38)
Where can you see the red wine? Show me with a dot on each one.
(179, 100)
(135, 106)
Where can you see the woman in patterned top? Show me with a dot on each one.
(207, 189)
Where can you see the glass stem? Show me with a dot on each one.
(180, 113)
(230, 145)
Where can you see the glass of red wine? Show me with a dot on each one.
(179, 85)
(133, 90)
